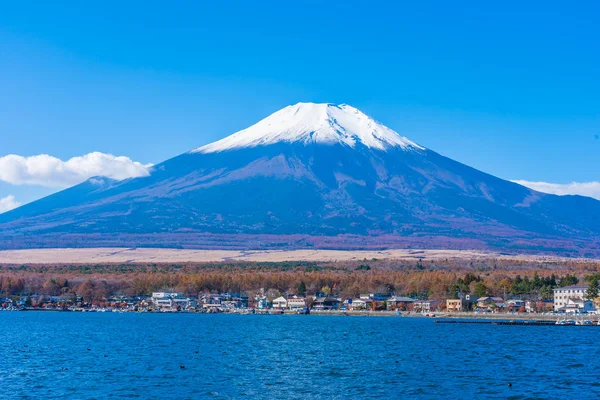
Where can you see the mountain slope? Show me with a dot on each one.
(309, 175)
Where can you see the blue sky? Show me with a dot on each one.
(509, 88)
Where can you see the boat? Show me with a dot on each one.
(584, 322)
(565, 322)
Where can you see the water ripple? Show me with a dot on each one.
(179, 356)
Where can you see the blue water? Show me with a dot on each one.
(139, 356)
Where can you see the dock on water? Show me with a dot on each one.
(512, 323)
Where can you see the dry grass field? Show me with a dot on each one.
(152, 255)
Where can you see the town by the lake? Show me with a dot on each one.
(571, 305)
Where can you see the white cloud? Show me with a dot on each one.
(45, 170)
(589, 189)
(8, 203)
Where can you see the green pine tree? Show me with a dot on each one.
(592, 291)
(302, 288)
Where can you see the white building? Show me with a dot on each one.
(296, 303)
(172, 301)
(576, 306)
(425, 305)
(280, 303)
(163, 299)
(358, 304)
(564, 294)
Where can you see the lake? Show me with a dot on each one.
(53, 355)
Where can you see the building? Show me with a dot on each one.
(172, 301)
(373, 301)
(223, 302)
(463, 303)
(563, 294)
(516, 305)
(455, 305)
(326, 303)
(296, 303)
(400, 303)
(488, 303)
(359, 304)
(261, 302)
(425, 305)
(234, 301)
(280, 303)
(374, 296)
(576, 306)
(6, 302)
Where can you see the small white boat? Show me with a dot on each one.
(565, 322)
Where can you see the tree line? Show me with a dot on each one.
(419, 280)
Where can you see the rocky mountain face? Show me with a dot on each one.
(310, 175)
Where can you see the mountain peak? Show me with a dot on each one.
(309, 123)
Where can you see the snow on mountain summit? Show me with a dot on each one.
(314, 123)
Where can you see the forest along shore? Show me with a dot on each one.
(486, 288)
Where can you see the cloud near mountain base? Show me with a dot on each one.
(45, 170)
(8, 203)
(589, 189)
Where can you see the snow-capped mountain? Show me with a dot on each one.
(309, 175)
(310, 123)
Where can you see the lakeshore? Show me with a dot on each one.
(527, 319)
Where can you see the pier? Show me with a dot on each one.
(512, 323)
